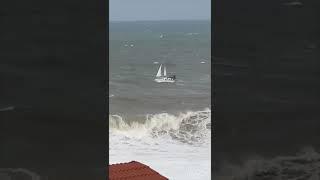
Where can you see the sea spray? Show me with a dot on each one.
(187, 127)
(180, 141)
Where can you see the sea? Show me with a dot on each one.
(166, 126)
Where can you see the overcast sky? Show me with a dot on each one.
(133, 10)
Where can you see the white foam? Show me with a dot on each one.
(177, 146)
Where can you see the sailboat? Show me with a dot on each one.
(160, 78)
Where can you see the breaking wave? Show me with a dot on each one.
(181, 139)
(191, 127)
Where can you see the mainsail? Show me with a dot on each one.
(164, 71)
(159, 71)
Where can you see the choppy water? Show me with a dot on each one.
(166, 126)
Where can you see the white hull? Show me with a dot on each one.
(164, 80)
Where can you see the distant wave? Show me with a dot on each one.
(190, 127)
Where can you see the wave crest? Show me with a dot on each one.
(189, 127)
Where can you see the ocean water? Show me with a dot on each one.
(165, 126)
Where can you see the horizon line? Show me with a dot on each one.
(160, 20)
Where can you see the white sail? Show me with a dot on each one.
(162, 78)
(159, 71)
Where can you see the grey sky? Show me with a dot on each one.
(132, 10)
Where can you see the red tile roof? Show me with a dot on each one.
(133, 171)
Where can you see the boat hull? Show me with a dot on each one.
(164, 80)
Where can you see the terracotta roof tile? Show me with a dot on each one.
(133, 171)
